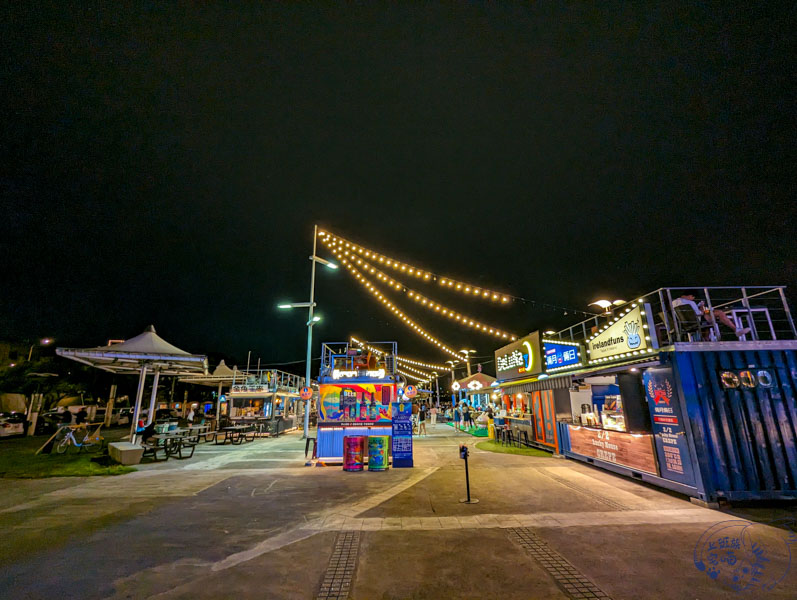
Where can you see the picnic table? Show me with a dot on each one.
(171, 443)
(235, 434)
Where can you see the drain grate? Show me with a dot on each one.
(340, 570)
(582, 490)
(565, 574)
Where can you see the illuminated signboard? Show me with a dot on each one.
(559, 354)
(627, 335)
(338, 374)
(521, 358)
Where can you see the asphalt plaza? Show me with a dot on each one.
(253, 521)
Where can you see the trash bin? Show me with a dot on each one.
(378, 448)
(353, 449)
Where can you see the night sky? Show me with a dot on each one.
(165, 164)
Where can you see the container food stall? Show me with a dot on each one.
(359, 398)
(532, 397)
(706, 417)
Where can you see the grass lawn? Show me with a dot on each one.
(474, 431)
(491, 446)
(19, 461)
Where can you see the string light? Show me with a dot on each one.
(466, 289)
(430, 304)
(448, 283)
(357, 274)
(401, 359)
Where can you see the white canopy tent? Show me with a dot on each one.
(145, 352)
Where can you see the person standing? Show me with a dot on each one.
(190, 416)
(433, 412)
(457, 417)
(81, 416)
(422, 420)
(466, 418)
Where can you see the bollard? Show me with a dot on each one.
(463, 454)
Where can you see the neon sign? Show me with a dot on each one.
(338, 374)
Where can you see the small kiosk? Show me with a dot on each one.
(359, 399)
(266, 399)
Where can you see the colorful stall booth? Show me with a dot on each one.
(359, 408)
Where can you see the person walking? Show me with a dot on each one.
(422, 420)
(457, 417)
(433, 412)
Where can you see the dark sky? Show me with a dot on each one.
(165, 164)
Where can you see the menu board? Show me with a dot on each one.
(668, 425)
(402, 434)
(634, 451)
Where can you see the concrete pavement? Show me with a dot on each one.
(253, 521)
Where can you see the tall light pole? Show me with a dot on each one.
(467, 354)
(311, 320)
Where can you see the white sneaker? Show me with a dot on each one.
(741, 332)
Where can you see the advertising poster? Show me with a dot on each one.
(402, 434)
(668, 425)
(356, 402)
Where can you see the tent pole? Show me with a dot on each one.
(139, 394)
(151, 415)
(218, 405)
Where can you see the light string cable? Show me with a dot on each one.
(393, 308)
(424, 301)
(467, 289)
(400, 358)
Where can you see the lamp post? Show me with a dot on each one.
(311, 320)
(467, 354)
(42, 342)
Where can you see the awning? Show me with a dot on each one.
(546, 383)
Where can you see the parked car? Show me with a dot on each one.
(12, 423)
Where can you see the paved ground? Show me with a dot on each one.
(252, 521)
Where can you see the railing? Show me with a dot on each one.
(265, 380)
(763, 310)
(346, 357)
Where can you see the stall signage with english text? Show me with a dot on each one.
(629, 450)
(627, 336)
(521, 358)
(668, 427)
(338, 374)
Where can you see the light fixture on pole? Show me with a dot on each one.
(311, 320)
(467, 354)
(42, 342)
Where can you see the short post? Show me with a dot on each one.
(463, 454)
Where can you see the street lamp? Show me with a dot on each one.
(42, 342)
(311, 319)
(467, 354)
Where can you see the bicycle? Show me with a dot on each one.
(91, 441)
